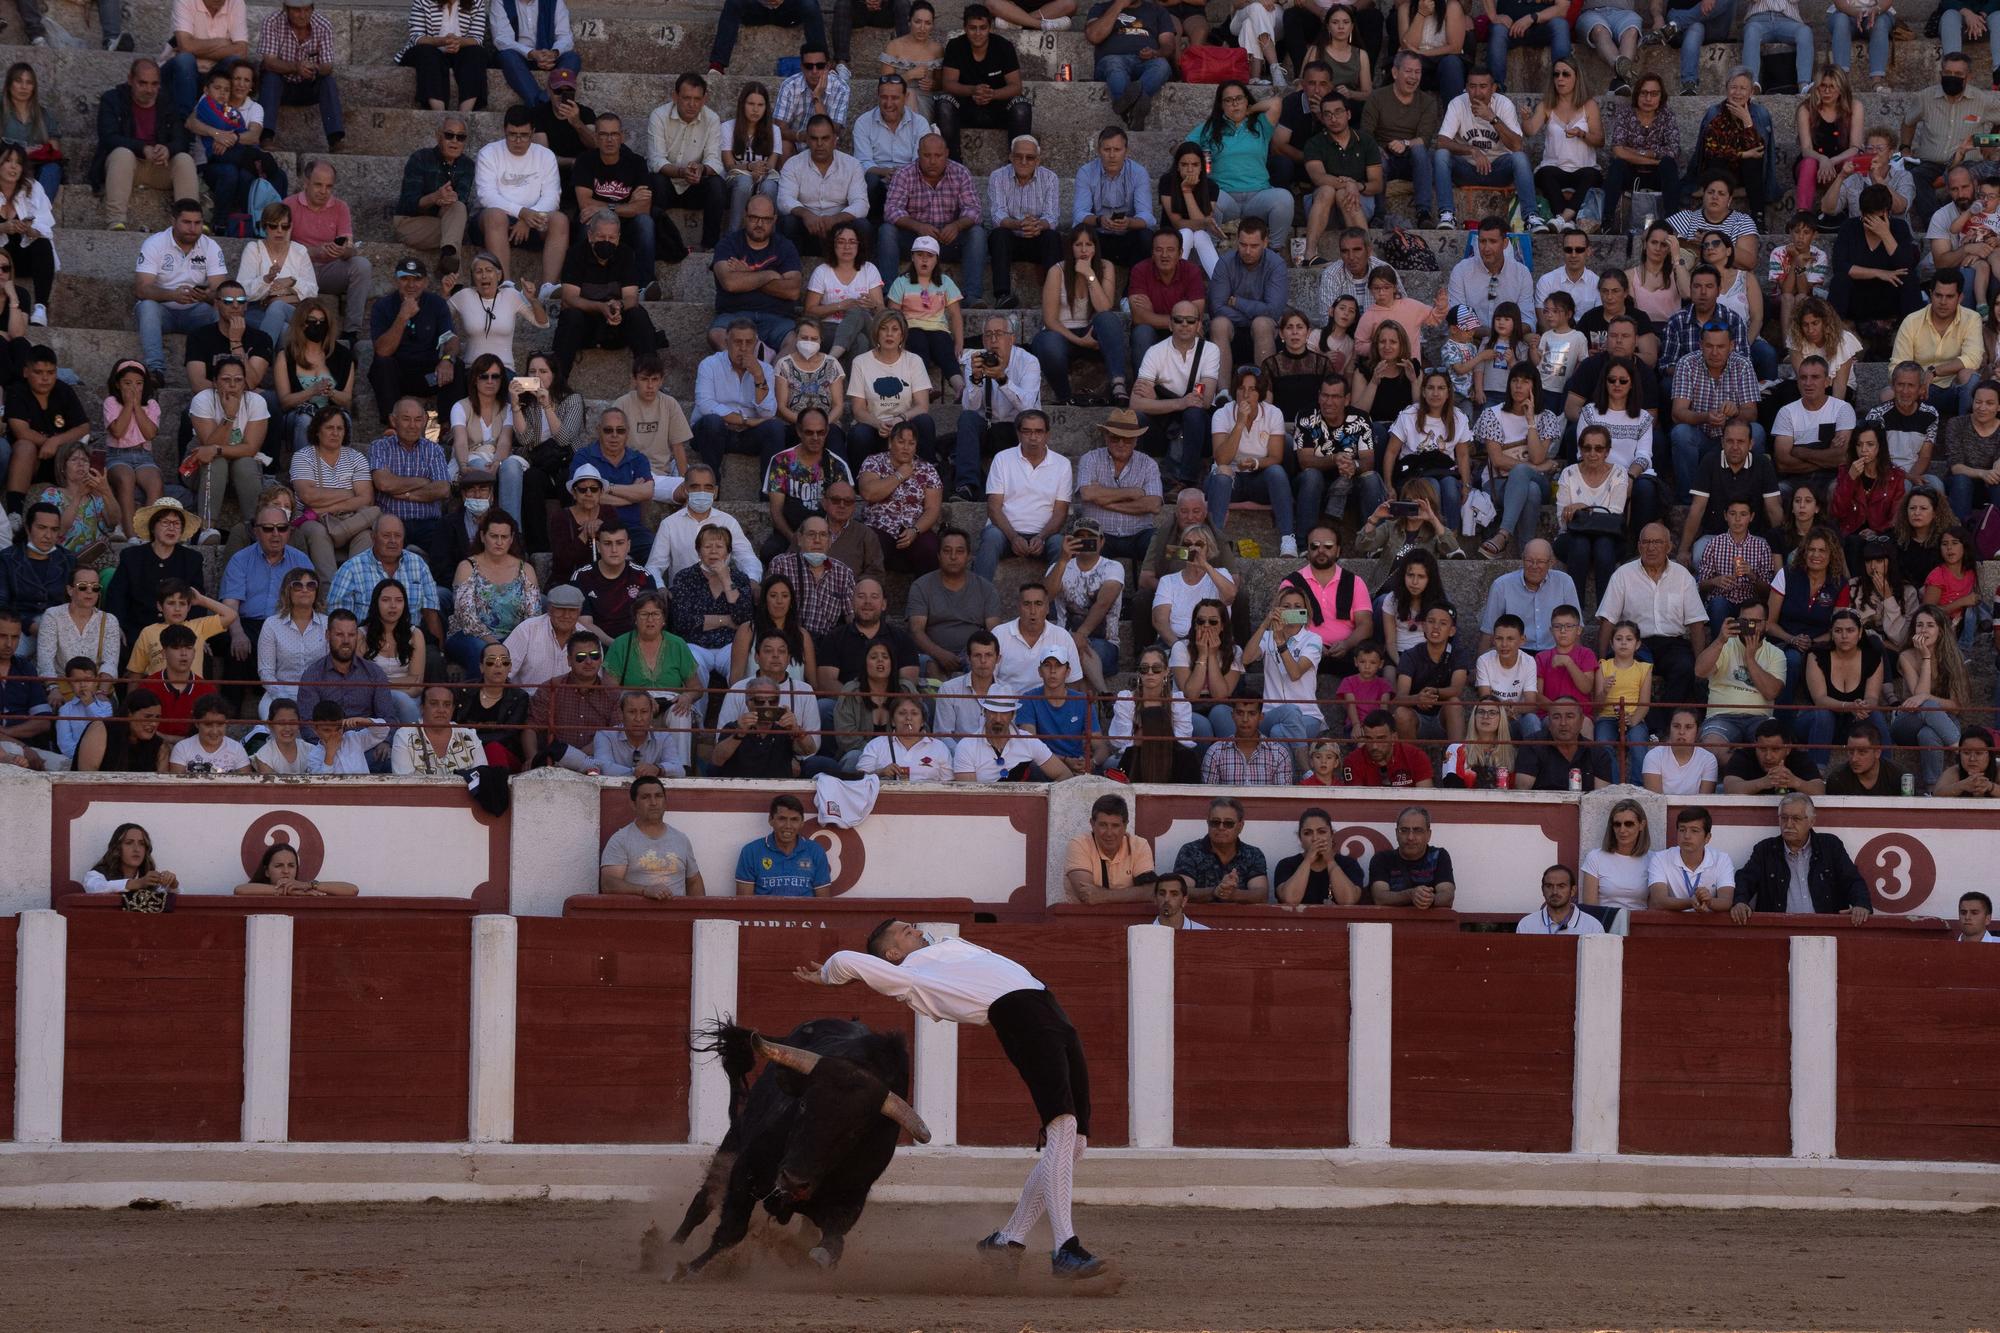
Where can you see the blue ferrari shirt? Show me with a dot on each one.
(772, 873)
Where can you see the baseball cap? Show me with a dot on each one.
(562, 78)
(411, 267)
(924, 244)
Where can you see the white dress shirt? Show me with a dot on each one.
(1663, 606)
(950, 980)
(1020, 670)
(673, 545)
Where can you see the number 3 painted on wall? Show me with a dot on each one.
(1899, 871)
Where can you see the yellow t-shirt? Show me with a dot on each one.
(1624, 685)
(147, 659)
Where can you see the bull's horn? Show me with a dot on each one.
(791, 1057)
(906, 1115)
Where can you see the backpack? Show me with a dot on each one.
(1409, 252)
(262, 195)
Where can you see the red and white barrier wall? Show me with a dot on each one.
(1356, 1043)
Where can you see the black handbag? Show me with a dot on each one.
(1597, 521)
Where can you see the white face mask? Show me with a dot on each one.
(477, 508)
(701, 501)
(808, 348)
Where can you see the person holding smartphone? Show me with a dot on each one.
(1290, 651)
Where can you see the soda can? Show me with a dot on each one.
(1065, 71)
(1503, 778)
(1576, 779)
(1298, 249)
(1909, 784)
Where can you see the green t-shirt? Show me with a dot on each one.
(1352, 161)
(676, 668)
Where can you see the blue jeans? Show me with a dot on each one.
(1951, 36)
(1267, 485)
(1636, 737)
(513, 469)
(1414, 167)
(1764, 360)
(1780, 30)
(1285, 721)
(772, 330)
(1694, 28)
(1054, 352)
(1840, 29)
(1273, 205)
(273, 92)
(1968, 493)
(1928, 725)
(182, 80)
(157, 318)
(1519, 496)
(1312, 488)
(892, 253)
(1512, 169)
(230, 184)
(521, 76)
(1819, 728)
(756, 14)
(1553, 34)
(992, 546)
(713, 438)
(275, 318)
(1954, 400)
(1587, 555)
(1117, 73)
(466, 650)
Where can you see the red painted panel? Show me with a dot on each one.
(1483, 1042)
(381, 1012)
(1085, 969)
(1260, 1039)
(8, 927)
(601, 1041)
(153, 1047)
(1707, 1045)
(1915, 1023)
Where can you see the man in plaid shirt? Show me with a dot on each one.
(824, 586)
(1735, 567)
(1248, 760)
(936, 197)
(295, 49)
(1710, 388)
(1683, 332)
(570, 710)
(411, 473)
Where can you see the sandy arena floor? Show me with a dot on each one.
(571, 1266)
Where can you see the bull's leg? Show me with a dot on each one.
(697, 1213)
(730, 1229)
(834, 1222)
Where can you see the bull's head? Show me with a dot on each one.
(839, 1101)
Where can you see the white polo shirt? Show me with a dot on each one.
(975, 756)
(1168, 367)
(1030, 491)
(1716, 871)
(163, 260)
(1020, 669)
(1540, 922)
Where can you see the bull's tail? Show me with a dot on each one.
(736, 1046)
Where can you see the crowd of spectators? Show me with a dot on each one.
(1794, 564)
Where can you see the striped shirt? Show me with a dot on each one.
(426, 460)
(1006, 197)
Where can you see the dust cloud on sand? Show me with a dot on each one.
(447, 1268)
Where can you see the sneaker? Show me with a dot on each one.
(1425, 221)
(116, 226)
(1000, 1252)
(1288, 545)
(1279, 79)
(1447, 221)
(1540, 225)
(16, 523)
(38, 41)
(1689, 87)
(1002, 25)
(968, 491)
(1056, 25)
(1073, 1261)
(209, 537)
(40, 318)
(1007, 301)
(548, 291)
(1627, 70)
(1121, 105)
(1141, 109)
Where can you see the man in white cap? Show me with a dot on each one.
(539, 645)
(1002, 751)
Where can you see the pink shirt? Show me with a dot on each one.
(131, 439)
(1557, 684)
(314, 228)
(1331, 629)
(1951, 586)
(192, 17)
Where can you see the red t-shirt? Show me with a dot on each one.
(1407, 767)
(176, 707)
(1187, 285)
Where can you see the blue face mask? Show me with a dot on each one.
(813, 558)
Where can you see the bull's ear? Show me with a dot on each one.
(906, 1115)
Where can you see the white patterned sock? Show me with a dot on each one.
(1061, 1153)
(1028, 1210)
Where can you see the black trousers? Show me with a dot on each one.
(806, 243)
(1016, 116)
(390, 379)
(578, 329)
(435, 72)
(1043, 1046)
(1673, 674)
(1125, 249)
(35, 260)
(1004, 248)
(710, 196)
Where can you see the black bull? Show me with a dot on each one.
(809, 1137)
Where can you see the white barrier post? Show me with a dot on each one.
(41, 983)
(1815, 995)
(495, 1013)
(711, 996)
(267, 1028)
(1149, 1034)
(1370, 952)
(1600, 997)
(935, 1081)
